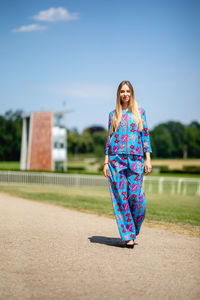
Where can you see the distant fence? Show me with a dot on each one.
(152, 184)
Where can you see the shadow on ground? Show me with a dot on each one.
(109, 241)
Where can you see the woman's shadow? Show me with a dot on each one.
(109, 241)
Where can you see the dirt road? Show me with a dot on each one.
(49, 252)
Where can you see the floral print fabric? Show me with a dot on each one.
(128, 139)
(128, 198)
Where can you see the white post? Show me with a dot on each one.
(173, 188)
(77, 180)
(179, 186)
(160, 186)
(184, 188)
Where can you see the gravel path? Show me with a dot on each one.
(49, 252)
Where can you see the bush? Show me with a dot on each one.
(163, 169)
(191, 169)
(185, 170)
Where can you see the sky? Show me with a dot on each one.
(72, 55)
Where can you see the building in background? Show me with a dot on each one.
(44, 142)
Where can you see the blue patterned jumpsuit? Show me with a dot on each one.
(125, 149)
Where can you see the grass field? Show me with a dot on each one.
(182, 213)
(9, 165)
(89, 167)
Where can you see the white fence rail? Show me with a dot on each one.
(152, 184)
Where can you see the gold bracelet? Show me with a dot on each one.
(105, 163)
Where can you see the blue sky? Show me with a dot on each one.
(58, 55)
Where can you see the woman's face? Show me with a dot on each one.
(125, 94)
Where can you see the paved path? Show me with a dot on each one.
(49, 252)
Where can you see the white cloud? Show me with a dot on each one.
(55, 14)
(31, 27)
(84, 91)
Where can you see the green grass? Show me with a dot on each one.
(82, 199)
(161, 208)
(174, 209)
(9, 165)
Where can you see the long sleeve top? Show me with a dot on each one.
(128, 139)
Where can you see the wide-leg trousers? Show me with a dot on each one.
(127, 194)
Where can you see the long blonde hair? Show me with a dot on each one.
(132, 107)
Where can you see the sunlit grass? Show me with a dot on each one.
(9, 165)
(164, 208)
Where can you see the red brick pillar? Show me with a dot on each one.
(40, 145)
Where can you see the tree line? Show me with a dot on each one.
(169, 140)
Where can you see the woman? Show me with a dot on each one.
(128, 140)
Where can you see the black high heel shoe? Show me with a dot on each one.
(130, 245)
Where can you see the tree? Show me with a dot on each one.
(73, 141)
(99, 139)
(177, 131)
(192, 139)
(86, 144)
(10, 135)
(162, 141)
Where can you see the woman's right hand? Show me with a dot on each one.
(105, 170)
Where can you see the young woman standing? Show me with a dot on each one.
(128, 140)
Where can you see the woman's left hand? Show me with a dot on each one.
(147, 166)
